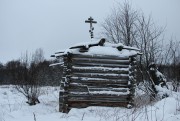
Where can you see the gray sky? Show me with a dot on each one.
(58, 24)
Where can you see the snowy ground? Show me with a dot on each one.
(13, 107)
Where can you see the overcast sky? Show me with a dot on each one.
(58, 24)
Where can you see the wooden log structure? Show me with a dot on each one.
(97, 74)
(93, 80)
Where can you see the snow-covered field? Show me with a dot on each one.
(13, 107)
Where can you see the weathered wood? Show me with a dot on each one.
(101, 61)
(106, 85)
(100, 57)
(100, 70)
(108, 89)
(103, 99)
(63, 102)
(83, 64)
(97, 80)
(104, 76)
(63, 97)
(86, 104)
(97, 100)
(82, 81)
(77, 88)
(100, 82)
(96, 95)
(132, 80)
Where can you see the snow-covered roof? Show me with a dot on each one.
(100, 48)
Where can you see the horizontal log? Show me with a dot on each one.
(92, 93)
(108, 93)
(100, 61)
(99, 56)
(96, 95)
(99, 85)
(77, 88)
(99, 99)
(84, 82)
(80, 104)
(90, 90)
(96, 101)
(97, 75)
(100, 70)
(83, 64)
(98, 80)
(94, 88)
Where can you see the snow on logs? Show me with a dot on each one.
(97, 75)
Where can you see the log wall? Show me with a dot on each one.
(97, 81)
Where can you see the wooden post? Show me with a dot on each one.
(132, 80)
(63, 95)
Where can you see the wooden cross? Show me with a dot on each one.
(90, 20)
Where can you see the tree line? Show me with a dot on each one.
(30, 67)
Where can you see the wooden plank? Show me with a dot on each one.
(101, 61)
(83, 64)
(98, 85)
(84, 88)
(85, 104)
(100, 70)
(104, 76)
(100, 56)
(97, 95)
(78, 104)
(95, 91)
(97, 80)
(77, 88)
(103, 82)
(94, 88)
(95, 99)
(94, 94)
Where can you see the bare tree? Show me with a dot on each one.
(132, 28)
(149, 40)
(120, 25)
(38, 56)
(27, 81)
